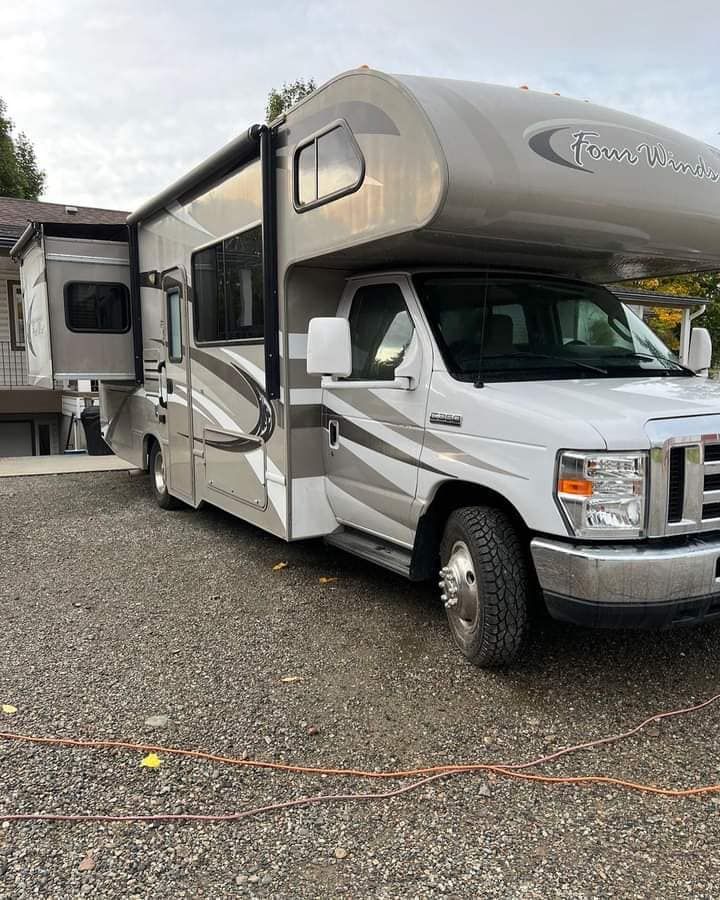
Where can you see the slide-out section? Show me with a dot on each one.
(76, 300)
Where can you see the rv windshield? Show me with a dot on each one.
(498, 327)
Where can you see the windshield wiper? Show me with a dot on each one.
(663, 359)
(519, 354)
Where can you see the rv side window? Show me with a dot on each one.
(97, 307)
(327, 166)
(174, 326)
(228, 289)
(17, 323)
(380, 332)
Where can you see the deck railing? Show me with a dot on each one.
(13, 366)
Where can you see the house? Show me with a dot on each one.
(35, 421)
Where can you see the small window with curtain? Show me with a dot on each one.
(174, 326)
(327, 166)
(227, 281)
(97, 307)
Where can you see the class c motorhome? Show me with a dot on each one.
(382, 320)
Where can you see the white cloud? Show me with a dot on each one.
(120, 101)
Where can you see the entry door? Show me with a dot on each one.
(179, 456)
(374, 431)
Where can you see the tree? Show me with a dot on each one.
(281, 101)
(666, 322)
(20, 175)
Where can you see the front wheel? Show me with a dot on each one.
(485, 585)
(164, 499)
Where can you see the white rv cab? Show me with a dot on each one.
(384, 319)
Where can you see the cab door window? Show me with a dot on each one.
(381, 330)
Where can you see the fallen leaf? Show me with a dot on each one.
(324, 579)
(8, 709)
(87, 865)
(278, 566)
(151, 761)
(291, 679)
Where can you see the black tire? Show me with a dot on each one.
(494, 636)
(156, 468)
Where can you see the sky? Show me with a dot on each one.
(120, 99)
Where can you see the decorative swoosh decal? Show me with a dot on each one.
(28, 336)
(540, 143)
(235, 377)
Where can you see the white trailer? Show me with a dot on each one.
(382, 320)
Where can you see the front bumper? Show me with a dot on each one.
(630, 586)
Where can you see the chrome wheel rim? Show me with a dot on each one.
(458, 582)
(159, 473)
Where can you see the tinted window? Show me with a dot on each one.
(329, 166)
(90, 306)
(228, 289)
(174, 326)
(380, 331)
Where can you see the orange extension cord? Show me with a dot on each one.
(430, 773)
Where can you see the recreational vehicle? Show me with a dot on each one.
(383, 319)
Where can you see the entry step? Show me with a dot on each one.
(372, 548)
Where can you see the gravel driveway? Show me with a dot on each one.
(114, 612)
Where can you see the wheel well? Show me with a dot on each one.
(449, 496)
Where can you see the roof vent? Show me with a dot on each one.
(71, 210)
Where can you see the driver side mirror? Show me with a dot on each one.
(329, 351)
(700, 355)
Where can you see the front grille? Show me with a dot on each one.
(676, 484)
(711, 511)
(711, 482)
(692, 489)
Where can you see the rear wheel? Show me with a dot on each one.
(157, 476)
(485, 585)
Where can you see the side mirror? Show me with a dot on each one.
(700, 355)
(328, 347)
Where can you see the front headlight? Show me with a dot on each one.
(603, 494)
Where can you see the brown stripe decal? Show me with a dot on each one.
(352, 431)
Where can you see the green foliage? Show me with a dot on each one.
(666, 322)
(19, 172)
(281, 101)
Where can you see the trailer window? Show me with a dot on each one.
(102, 307)
(327, 166)
(380, 332)
(228, 289)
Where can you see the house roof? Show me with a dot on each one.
(15, 215)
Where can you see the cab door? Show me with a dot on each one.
(176, 390)
(374, 429)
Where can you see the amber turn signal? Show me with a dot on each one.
(577, 486)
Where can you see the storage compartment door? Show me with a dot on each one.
(88, 291)
(36, 316)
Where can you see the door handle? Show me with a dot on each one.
(169, 385)
(161, 400)
(334, 433)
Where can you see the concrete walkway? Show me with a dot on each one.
(59, 464)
